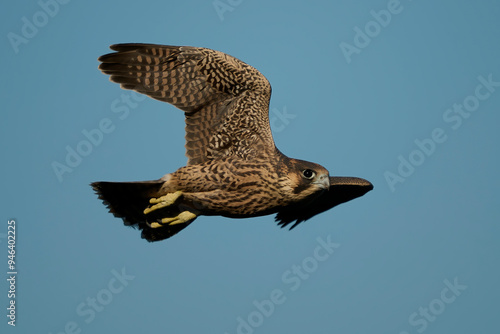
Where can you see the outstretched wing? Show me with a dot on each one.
(342, 189)
(226, 102)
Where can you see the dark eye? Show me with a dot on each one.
(308, 173)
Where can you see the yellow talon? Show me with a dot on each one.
(181, 218)
(172, 197)
(163, 201)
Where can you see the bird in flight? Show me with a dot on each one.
(234, 168)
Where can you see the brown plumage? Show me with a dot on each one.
(234, 168)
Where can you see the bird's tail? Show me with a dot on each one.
(128, 200)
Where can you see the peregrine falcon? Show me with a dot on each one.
(234, 168)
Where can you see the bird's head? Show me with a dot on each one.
(304, 179)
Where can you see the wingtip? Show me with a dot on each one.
(351, 181)
(123, 46)
(95, 186)
(120, 47)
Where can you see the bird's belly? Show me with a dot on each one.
(235, 204)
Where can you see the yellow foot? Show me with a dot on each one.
(163, 202)
(183, 217)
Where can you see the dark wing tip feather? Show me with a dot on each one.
(136, 46)
(342, 189)
(103, 194)
(285, 222)
(126, 46)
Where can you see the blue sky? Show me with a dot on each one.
(405, 94)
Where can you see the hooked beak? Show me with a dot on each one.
(323, 182)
